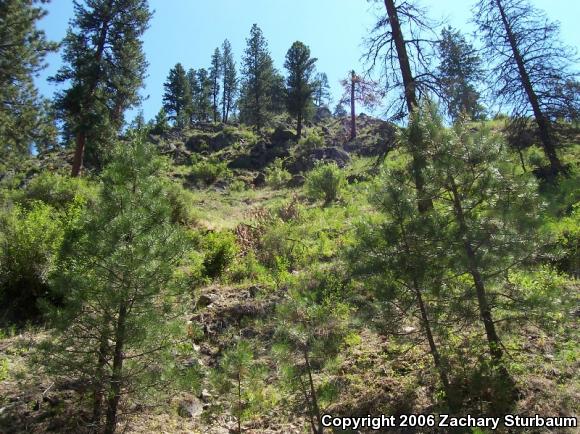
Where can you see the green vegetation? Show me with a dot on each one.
(325, 182)
(215, 270)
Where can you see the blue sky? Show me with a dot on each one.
(188, 31)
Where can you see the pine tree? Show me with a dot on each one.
(400, 249)
(203, 95)
(24, 118)
(321, 90)
(105, 65)
(458, 74)
(339, 110)
(230, 81)
(299, 85)
(160, 125)
(530, 67)
(215, 74)
(177, 97)
(239, 377)
(311, 328)
(257, 80)
(115, 328)
(194, 91)
(488, 211)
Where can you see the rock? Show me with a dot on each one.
(307, 160)
(204, 300)
(296, 181)
(220, 185)
(259, 180)
(190, 407)
(243, 162)
(253, 290)
(359, 177)
(281, 136)
(321, 114)
(205, 396)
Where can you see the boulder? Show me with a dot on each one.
(259, 180)
(307, 160)
(205, 300)
(296, 181)
(282, 136)
(321, 114)
(190, 407)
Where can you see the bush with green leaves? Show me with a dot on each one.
(313, 140)
(56, 190)
(219, 250)
(180, 200)
(325, 181)
(30, 239)
(276, 175)
(208, 171)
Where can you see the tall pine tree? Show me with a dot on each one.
(105, 66)
(177, 97)
(115, 329)
(299, 83)
(230, 80)
(23, 116)
(458, 73)
(321, 90)
(257, 80)
(203, 95)
(215, 74)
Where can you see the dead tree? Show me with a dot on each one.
(530, 70)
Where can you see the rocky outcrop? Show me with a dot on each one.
(308, 159)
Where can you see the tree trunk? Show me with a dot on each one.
(81, 137)
(433, 346)
(215, 104)
(541, 120)
(224, 117)
(408, 81)
(424, 203)
(299, 126)
(320, 429)
(352, 107)
(239, 403)
(79, 154)
(100, 374)
(117, 375)
(484, 309)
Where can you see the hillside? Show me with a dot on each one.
(263, 240)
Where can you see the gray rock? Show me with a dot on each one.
(204, 300)
(190, 408)
(296, 181)
(307, 160)
(259, 180)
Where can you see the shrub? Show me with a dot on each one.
(56, 190)
(29, 240)
(237, 185)
(209, 171)
(312, 141)
(219, 249)
(276, 175)
(325, 181)
(249, 269)
(180, 201)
